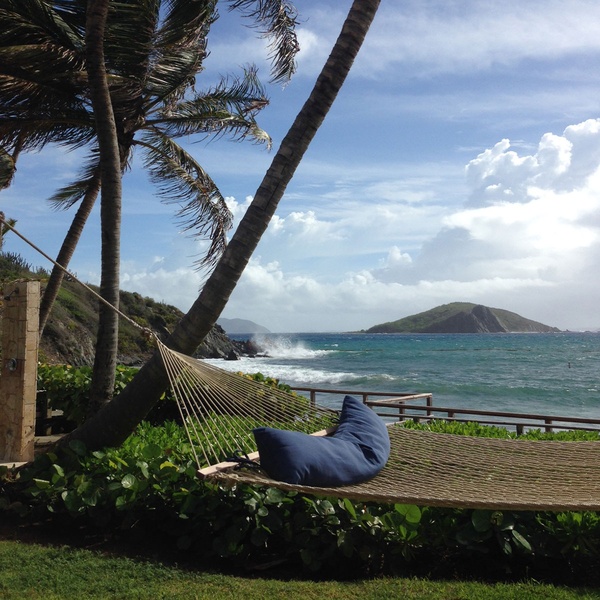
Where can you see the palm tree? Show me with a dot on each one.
(42, 100)
(105, 359)
(91, 190)
(111, 425)
(151, 55)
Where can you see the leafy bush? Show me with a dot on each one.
(68, 387)
(13, 266)
(471, 428)
(68, 390)
(150, 484)
(493, 431)
(268, 381)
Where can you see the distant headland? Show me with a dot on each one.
(463, 317)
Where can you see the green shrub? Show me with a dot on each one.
(68, 389)
(13, 266)
(495, 431)
(150, 484)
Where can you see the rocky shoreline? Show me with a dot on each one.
(218, 345)
(75, 347)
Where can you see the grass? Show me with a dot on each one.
(35, 571)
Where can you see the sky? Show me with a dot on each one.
(460, 162)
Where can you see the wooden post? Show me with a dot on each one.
(18, 377)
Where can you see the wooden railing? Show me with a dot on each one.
(420, 408)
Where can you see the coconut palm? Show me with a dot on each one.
(111, 425)
(152, 52)
(7, 169)
(112, 153)
(41, 96)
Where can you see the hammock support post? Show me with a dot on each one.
(18, 378)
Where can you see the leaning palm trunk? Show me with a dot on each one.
(116, 421)
(66, 251)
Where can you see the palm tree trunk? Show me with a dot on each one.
(67, 249)
(103, 376)
(114, 423)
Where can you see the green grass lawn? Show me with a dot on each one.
(35, 571)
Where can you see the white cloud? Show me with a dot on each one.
(561, 162)
(382, 219)
(531, 245)
(538, 230)
(440, 37)
(178, 287)
(427, 37)
(238, 209)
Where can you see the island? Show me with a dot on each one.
(463, 317)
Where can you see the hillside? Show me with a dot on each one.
(240, 326)
(463, 317)
(70, 333)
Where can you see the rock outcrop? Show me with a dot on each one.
(218, 345)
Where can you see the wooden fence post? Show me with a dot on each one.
(18, 377)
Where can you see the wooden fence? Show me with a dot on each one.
(420, 407)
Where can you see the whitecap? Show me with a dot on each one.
(285, 347)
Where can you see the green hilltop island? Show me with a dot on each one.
(463, 317)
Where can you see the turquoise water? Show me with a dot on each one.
(556, 373)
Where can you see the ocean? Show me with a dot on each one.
(554, 373)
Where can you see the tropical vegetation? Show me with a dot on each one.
(140, 65)
(100, 87)
(111, 425)
(123, 476)
(148, 489)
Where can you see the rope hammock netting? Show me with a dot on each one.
(424, 468)
(220, 409)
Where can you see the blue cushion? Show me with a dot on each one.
(357, 450)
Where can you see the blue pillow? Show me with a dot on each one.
(357, 451)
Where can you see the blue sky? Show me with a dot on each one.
(460, 162)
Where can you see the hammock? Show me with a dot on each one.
(424, 468)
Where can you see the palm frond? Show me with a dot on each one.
(173, 74)
(38, 21)
(73, 193)
(181, 180)
(180, 50)
(131, 37)
(186, 23)
(228, 108)
(22, 95)
(42, 76)
(35, 133)
(276, 20)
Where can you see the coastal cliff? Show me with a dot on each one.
(463, 317)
